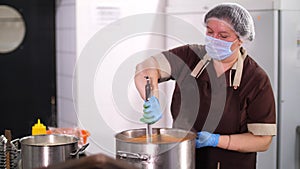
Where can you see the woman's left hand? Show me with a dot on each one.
(205, 139)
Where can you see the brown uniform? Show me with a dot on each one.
(210, 103)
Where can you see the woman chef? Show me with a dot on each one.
(235, 109)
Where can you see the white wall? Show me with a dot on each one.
(65, 61)
(289, 153)
(200, 5)
(289, 4)
(99, 110)
(77, 21)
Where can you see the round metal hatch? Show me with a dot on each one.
(12, 29)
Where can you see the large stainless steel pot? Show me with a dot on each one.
(157, 155)
(43, 150)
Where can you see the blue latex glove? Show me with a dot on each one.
(205, 139)
(152, 111)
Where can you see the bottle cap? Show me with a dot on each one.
(38, 128)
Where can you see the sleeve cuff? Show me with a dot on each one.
(262, 129)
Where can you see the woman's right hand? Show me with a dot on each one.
(140, 81)
(152, 111)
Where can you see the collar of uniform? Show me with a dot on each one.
(238, 67)
(202, 64)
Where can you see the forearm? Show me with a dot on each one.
(246, 142)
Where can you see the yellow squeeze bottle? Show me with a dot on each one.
(38, 128)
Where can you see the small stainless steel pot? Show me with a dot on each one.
(43, 150)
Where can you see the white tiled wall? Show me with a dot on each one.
(66, 58)
(77, 22)
(98, 111)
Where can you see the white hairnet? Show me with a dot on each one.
(235, 15)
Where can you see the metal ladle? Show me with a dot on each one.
(148, 95)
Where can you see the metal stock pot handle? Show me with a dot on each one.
(80, 150)
(124, 154)
(16, 143)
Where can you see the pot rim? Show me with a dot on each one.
(121, 136)
(73, 138)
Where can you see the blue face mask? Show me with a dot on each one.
(217, 49)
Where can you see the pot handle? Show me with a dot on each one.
(125, 154)
(16, 143)
(80, 150)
